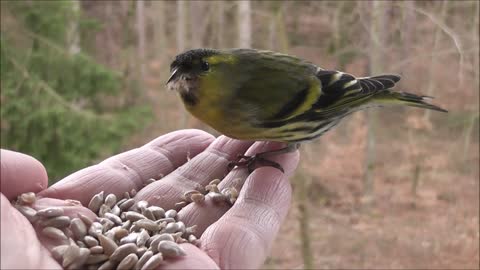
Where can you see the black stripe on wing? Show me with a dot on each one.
(335, 84)
(292, 105)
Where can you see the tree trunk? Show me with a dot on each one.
(244, 24)
(73, 36)
(140, 9)
(181, 26)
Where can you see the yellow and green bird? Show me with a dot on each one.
(253, 94)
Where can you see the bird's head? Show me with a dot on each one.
(187, 70)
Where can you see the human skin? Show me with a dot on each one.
(238, 237)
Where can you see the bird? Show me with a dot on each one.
(261, 95)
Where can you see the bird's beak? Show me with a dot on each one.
(174, 75)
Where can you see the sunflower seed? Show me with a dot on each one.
(127, 224)
(27, 198)
(153, 243)
(148, 214)
(170, 249)
(128, 262)
(96, 250)
(158, 212)
(108, 265)
(212, 188)
(58, 251)
(96, 202)
(142, 238)
(27, 212)
(57, 222)
(133, 192)
(197, 197)
(109, 246)
(191, 229)
(143, 259)
(81, 244)
(103, 210)
(90, 241)
(88, 222)
(166, 220)
(121, 201)
(172, 213)
(150, 181)
(192, 238)
(81, 259)
(134, 216)
(217, 197)
(181, 226)
(50, 212)
(119, 232)
(95, 229)
(131, 238)
(116, 210)
(171, 227)
(70, 255)
(78, 228)
(54, 233)
(116, 219)
(187, 195)
(180, 205)
(142, 205)
(122, 251)
(141, 251)
(96, 258)
(110, 200)
(153, 262)
(215, 182)
(147, 224)
(135, 228)
(166, 237)
(126, 195)
(107, 224)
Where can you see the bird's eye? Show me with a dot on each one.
(205, 66)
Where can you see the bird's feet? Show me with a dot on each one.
(253, 162)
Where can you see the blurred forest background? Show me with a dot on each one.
(390, 188)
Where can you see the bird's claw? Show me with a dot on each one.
(253, 162)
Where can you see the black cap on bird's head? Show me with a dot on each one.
(190, 63)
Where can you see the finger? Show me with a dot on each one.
(20, 246)
(208, 165)
(243, 236)
(208, 212)
(21, 173)
(129, 170)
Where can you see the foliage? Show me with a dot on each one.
(62, 108)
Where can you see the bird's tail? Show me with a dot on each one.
(402, 98)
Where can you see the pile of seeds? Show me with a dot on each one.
(125, 235)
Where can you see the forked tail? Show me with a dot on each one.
(403, 98)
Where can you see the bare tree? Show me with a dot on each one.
(181, 26)
(73, 35)
(140, 8)
(244, 24)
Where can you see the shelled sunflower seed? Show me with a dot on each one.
(125, 235)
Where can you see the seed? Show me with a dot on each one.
(116, 219)
(142, 238)
(110, 200)
(153, 262)
(50, 212)
(108, 265)
(27, 212)
(172, 213)
(191, 229)
(142, 205)
(119, 232)
(131, 238)
(58, 251)
(81, 244)
(150, 181)
(122, 251)
(134, 228)
(126, 195)
(147, 224)
(170, 249)
(96, 202)
(192, 238)
(103, 210)
(73, 202)
(217, 197)
(27, 198)
(126, 225)
(81, 259)
(166, 237)
(109, 246)
(133, 192)
(96, 250)
(134, 216)
(212, 188)
(180, 205)
(148, 214)
(96, 258)
(171, 227)
(154, 240)
(90, 241)
(54, 233)
(141, 251)
(70, 255)
(166, 220)
(79, 229)
(197, 197)
(107, 224)
(181, 226)
(187, 195)
(143, 259)
(177, 236)
(95, 229)
(158, 212)
(128, 262)
(116, 210)
(88, 222)
(57, 222)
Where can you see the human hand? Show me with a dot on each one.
(232, 237)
